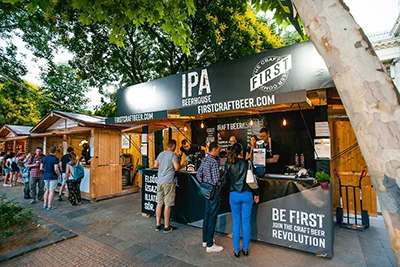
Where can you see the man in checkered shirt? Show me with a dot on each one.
(36, 175)
(209, 172)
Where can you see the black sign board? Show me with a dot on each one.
(291, 213)
(252, 81)
(145, 116)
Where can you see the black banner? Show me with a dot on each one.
(146, 116)
(253, 81)
(294, 214)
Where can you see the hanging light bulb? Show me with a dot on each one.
(202, 125)
(185, 129)
(251, 122)
(284, 122)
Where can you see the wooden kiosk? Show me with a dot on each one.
(103, 177)
(16, 138)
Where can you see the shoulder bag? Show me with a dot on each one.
(207, 190)
(251, 178)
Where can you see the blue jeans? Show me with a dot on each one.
(241, 205)
(211, 210)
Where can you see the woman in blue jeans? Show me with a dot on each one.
(241, 198)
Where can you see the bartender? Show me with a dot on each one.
(273, 152)
(188, 149)
(85, 152)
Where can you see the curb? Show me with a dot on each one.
(60, 232)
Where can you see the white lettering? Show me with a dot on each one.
(204, 83)
(193, 80)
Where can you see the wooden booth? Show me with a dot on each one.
(288, 90)
(156, 139)
(16, 138)
(103, 177)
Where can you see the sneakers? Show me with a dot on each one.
(51, 208)
(205, 243)
(159, 227)
(33, 201)
(169, 229)
(44, 208)
(214, 248)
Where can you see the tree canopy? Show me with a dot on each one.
(64, 86)
(113, 42)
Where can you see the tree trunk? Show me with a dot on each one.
(368, 95)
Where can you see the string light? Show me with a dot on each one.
(251, 122)
(202, 125)
(284, 122)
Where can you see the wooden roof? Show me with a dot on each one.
(16, 130)
(82, 120)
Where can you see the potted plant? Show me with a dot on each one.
(323, 179)
(140, 168)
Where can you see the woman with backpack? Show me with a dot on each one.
(12, 165)
(74, 175)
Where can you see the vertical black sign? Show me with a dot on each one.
(149, 192)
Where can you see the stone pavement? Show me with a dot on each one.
(118, 223)
(78, 251)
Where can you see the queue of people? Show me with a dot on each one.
(41, 174)
(233, 178)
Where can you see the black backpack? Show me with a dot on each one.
(14, 166)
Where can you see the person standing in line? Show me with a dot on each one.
(36, 176)
(7, 168)
(12, 164)
(240, 198)
(73, 181)
(63, 164)
(167, 163)
(209, 172)
(25, 176)
(51, 173)
(2, 154)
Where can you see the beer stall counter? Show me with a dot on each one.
(103, 177)
(285, 90)
(293, 212)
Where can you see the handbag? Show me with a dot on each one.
(207, 190)
(251, 178)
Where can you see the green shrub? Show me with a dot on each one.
(11, 215)
(322, 176)
(139, 167)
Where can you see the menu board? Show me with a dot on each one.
(241, 130)
(259, 156)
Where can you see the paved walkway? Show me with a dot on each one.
(78, 251)
(118, 223)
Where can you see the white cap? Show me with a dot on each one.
(83, 142)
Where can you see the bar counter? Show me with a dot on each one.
(292, 212)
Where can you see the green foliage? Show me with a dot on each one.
(117, 15)
(11, 215)
(280, 16)
(322, 176)
(63, 85)
(107, 109)
(19, 106)
(135, 41)
(292, 37)
(139, 167)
